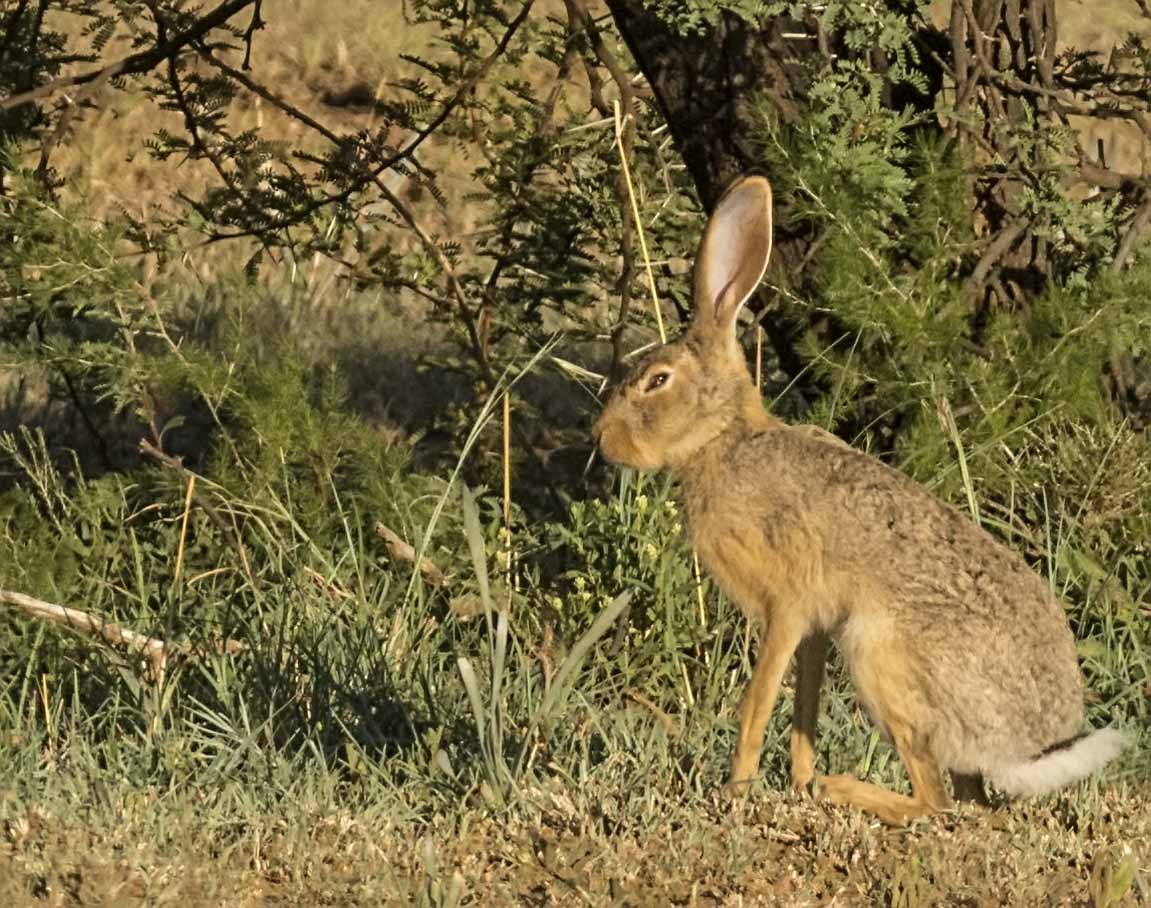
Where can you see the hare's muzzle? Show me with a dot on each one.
(613, 440)
(597, 430)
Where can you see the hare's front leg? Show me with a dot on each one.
(810, 659)
(779, 643)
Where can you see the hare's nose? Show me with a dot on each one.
(598, 428)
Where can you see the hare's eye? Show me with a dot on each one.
(657, 381)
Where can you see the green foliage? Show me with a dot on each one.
(655, 563)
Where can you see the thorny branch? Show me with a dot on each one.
(133, 64)
(1004, 68)
(372, 167)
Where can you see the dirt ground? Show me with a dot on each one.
(780, 849)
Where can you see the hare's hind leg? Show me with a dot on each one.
(810, 659)
(928, 794)
(776, 648)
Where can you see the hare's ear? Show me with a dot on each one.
(733, 254)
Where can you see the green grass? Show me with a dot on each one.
(371, 747)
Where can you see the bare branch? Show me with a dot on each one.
(155, 650)
(580, 22)
(996, 250)
(134, 63)
(378, 167)
(1134, 231)
(255, 25)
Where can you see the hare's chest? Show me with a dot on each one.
(741, 560)
(761, 563)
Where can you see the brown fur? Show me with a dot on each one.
(958, 650)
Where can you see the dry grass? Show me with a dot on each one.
(776, 850)
(329, 59)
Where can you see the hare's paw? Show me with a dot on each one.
(802, 765)
(837, 789)
(803, 779)
(736, 789)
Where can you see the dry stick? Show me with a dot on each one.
(84, 621)
(184, 525)
(328, 586)
(638, 222)
(403, 551)
(995, 251)
(154, 649)
(663, 718)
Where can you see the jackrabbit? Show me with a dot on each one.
(960, 653)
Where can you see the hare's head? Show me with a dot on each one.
(684, 394)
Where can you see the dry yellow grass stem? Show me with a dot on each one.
(638, 223)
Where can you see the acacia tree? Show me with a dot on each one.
(848, 105)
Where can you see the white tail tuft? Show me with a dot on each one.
(1060, 767)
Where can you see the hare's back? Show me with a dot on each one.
(881, 526)
(983, 634)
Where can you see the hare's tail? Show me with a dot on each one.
(1061, 765)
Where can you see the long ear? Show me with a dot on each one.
(733, 254)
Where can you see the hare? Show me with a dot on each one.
(958, 651)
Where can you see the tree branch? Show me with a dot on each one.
(580, 22)
(134, 63)
(1134, 231)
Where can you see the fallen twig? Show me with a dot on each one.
(402, 551)
(155, 650)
